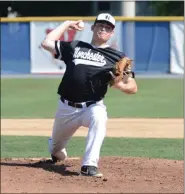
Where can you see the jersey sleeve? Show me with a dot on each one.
(63, 50)
(121, 55)
(115, 55)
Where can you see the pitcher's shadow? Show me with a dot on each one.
(46, 165)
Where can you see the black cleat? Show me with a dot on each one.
(90, 171)
(54, 159)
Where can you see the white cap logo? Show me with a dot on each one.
(107, 17)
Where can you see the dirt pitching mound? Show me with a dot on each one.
(136, 175)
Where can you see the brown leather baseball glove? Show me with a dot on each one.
(122, 68)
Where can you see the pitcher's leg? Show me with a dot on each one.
(65, 125)
(62, 132)
(57, 142)
(95, 137)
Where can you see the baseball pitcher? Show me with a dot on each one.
(90, 70)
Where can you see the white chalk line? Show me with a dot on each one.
(36, 159)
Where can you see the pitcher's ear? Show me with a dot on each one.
(112, 33)
(92, 27)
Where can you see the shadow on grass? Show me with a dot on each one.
(47, 165)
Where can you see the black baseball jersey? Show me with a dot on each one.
(87, 70)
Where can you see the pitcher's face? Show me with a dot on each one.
(102, 31)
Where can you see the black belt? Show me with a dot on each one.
(77, 105)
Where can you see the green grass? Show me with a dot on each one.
(37, 98)
(32, 146)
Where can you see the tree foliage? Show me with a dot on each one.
(168, 8)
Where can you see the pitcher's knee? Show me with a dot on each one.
(56, 151)
(60, 155)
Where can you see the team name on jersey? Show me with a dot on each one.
(88, 57)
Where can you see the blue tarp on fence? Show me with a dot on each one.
(151, 46)
(15, 48)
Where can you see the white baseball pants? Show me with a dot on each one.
(68, 119)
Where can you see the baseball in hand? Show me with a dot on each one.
(81, 24)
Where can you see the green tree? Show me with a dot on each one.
(168, 8)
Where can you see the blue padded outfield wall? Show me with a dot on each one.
(151, 46)
(15, 48)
